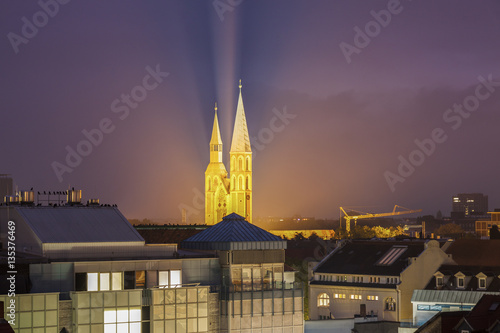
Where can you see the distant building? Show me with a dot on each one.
(372, 278)
(469, 204)
(483, 227)
(6, 186)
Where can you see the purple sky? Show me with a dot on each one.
(353, 119)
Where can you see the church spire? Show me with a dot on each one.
(216, 141)
(241, 139)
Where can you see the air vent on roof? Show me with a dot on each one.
(93, 202)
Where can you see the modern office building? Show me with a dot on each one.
(84, 269)
(470, 204)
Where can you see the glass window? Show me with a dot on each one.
(116, 281)
(323, 299)
(390, 304)
(140, 279)
(163, 278)
(482, 283)
(104, 281)
(246, 275)
(175, 278)
(92, 282)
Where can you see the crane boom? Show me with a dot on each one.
(394, 212)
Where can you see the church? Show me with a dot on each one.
(226, 194)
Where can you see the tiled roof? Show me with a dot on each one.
(476, 252)
(367, 257)
(234, 233)
(79, 224)
(449, 283)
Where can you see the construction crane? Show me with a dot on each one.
(394, 212)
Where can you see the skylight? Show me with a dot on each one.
(392, 255)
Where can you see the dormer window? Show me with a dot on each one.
(481, 280)
(460, 282)
(439, 281)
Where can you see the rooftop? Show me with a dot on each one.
(234, 233)
(372, 257)
(78, 224)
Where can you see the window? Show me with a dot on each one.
(126, 320)
(482, 283)
(439, 281)
(323, 300)
(390, 304)
(372, 298)
(104, 281)
(341, 296)
(460, 282)
(355, 296)
(172, 278)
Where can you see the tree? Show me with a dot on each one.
(494, 232)
(449, 229)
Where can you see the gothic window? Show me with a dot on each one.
(248, 183)
(240, 164)
(233, 163)
(248, 164)
(323, 300)
(240, 183)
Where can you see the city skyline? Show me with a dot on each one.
(348, 104)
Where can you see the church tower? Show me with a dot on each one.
(216, 182)
(241, 165)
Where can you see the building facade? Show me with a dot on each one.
(225, 194)
(372, 278)
(470, 203)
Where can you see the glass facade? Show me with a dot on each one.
(35, 313)
(180, 310)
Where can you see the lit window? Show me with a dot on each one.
(126, 320)
(168, 279)
(355, 296)
(104, 281)
(323, 300)
(372, 298)
(92, 282)
(339, 296)
(390, 304)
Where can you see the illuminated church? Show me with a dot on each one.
(226, 194)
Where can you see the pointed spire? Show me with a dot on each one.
(241, 139)
(216, 138)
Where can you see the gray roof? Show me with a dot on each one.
(449, 296)
(234, 233)
(79, 224)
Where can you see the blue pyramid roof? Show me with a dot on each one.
(234, 233)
